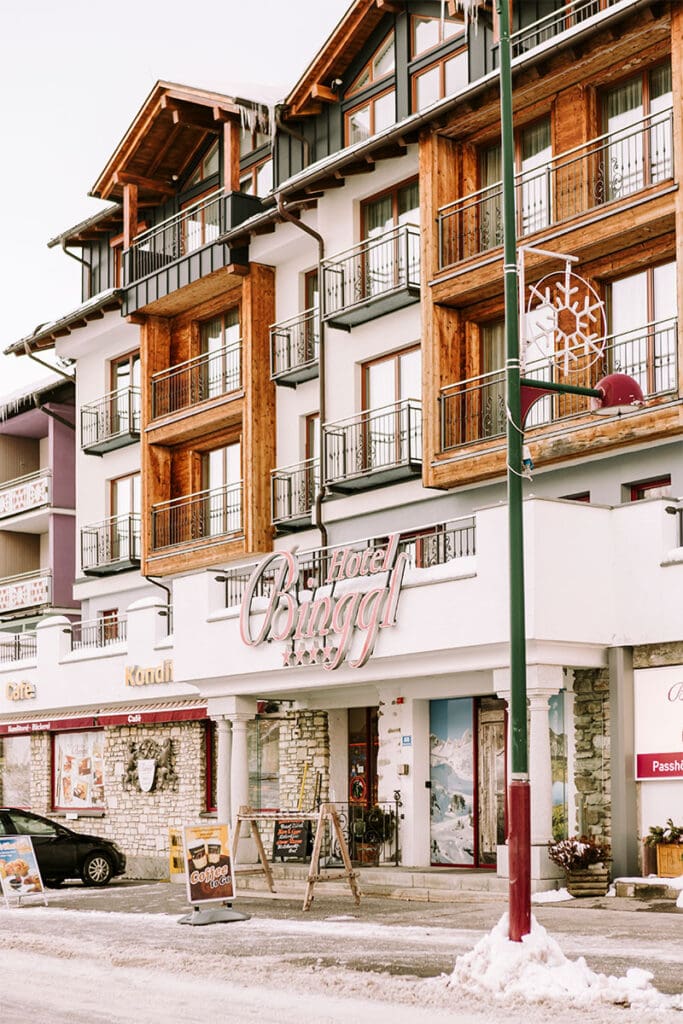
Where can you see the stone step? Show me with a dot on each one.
(646, 888)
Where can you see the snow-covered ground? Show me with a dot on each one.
(93, 967)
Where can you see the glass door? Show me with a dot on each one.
(222, 486)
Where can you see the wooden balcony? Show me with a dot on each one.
(293, 493)
(25, 493)
(112, 422)
(111, 546)
(294, 349)
(211, 375)
(27, 590)
(598, 174)
(376, 447)
(474, 410)
(207, 516)
(377, 276)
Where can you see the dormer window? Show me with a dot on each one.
(382, 63)
(207, 168)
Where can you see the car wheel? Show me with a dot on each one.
(96, 870)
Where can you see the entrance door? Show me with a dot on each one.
(467, 776)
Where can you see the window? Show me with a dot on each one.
(15, 770)
(251, 139)
(584, 496)
(443, 78)
(220, 371)
(427, 33)
(124, 525)
(263, 755)
(201, 223)
(370, 117)
(207, 167)
(312, 456)
(108, 626)
(384, 261)
(637, 119)
(391, 392)
(657, 488)
(533, 152)
(381, 64)
(78, 770)
(491, 399)
(641, 311)
(124, 412)
(222, 484)
(257, 180)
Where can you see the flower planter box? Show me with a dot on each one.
(669, 860)
(592, 881)
(367, 853)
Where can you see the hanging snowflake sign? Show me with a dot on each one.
(565, 322)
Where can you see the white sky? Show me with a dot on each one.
(73, 74)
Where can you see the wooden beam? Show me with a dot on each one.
(231, 155)
(189, 114)
(321, 92)
(389, 6)
(130, 213)
(165, 188)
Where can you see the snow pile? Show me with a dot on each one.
(536, 970)
(552, 896)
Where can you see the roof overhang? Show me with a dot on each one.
(45, 335)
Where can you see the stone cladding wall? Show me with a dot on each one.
(592, 752)
(304, 740)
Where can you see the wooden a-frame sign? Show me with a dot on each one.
(327, 813)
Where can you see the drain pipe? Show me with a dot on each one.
(48, 366)
(79, 259)
(320, 494)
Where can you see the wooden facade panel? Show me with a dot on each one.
(19, 553)
(19, 456)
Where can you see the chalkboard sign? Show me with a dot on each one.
(292, 839)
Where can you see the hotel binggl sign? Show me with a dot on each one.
(339, 618)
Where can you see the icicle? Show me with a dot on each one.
(470, 9)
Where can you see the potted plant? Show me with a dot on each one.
(668, 842)
(584, 862)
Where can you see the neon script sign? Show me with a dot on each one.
(325, 628)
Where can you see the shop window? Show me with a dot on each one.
(642, 310)
(15, 771)
(659, 487)
(637, 118)
(263, 754)
(78, 770)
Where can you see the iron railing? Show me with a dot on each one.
(371, 834)
(116, 414)
(474, 410)
(102, 632)
(206, 376)
(216, 512)
(18, 646)
(26, 590)
(294, 343)
(25, 493)
(373, 268)
(293, 490)
(112, 541)
(374, 440)
(606, 169)
(425, 548)
(572, 13)
(183, 233)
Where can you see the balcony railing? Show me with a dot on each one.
(574, 12)
(474, 410)
(111, 422)
(374, 277)
(18, 646)
(102, 632)
(601, 171)
(111, 546)
(213, 513)
(293, 492)
(27, 590)
(294, 348)
(378, 446)
(25, 493)
(209, 375)
(426, 547)
(179, 235)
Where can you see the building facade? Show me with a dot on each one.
(292, 329)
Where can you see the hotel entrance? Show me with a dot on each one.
(467, 781)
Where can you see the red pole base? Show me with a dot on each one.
(519, 853)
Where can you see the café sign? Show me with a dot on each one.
(338, 621)
(20, 691)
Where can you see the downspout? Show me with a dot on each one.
(295, 135)
(54, 415)
(48, 366)
(166, 611)
(79, 259)
(320, 494)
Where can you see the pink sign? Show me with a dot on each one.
(659, 766)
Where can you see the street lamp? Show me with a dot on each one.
(612, 395)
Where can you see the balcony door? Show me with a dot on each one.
(391, 257)
(124, 406)
(642, 324)
(124, 525)
(218, 370)
(392, 388)
(490, 407)
(533, 153)
(222, 490)
(637, 120)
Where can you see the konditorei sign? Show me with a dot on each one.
(659, 723)
(136, 676)
(337, 621)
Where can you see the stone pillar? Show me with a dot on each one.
(223, 769)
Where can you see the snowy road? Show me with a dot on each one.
(90, 967)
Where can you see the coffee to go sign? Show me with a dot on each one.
(339, 620)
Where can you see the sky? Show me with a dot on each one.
(73, 75)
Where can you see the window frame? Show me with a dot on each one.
(393, 191)
(354, 89)
(369, 102)
(639, 491)
(443, 41)
(439, 62)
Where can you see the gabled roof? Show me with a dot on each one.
(108, 221)
(45, 334)
(166, 136)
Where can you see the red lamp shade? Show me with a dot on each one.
(620, 394)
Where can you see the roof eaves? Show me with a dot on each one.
(45, 334)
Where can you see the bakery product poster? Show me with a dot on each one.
(208, 863)
(79, 770)
(19, 871)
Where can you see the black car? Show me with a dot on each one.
(62, 853)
